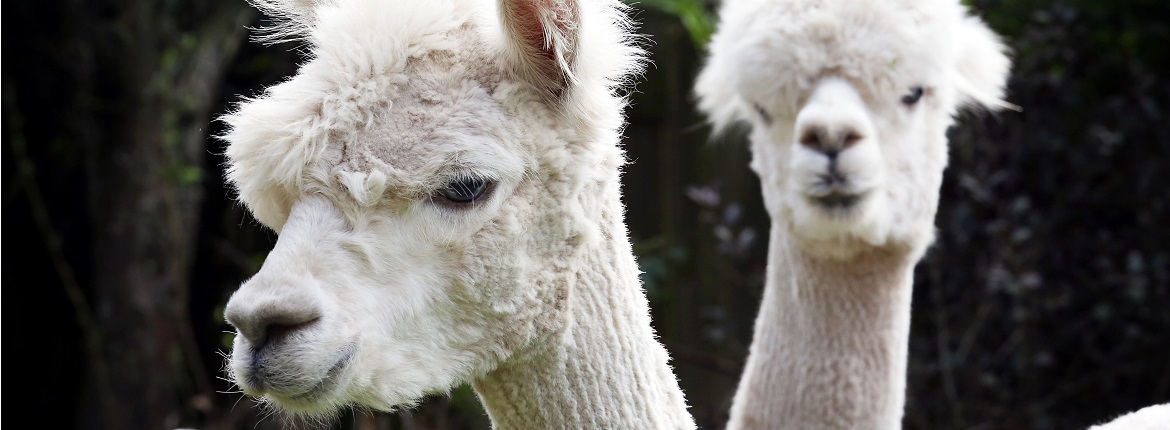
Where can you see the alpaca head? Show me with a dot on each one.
(849, 103)
(432, 173)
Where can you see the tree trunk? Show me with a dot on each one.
(146, 77)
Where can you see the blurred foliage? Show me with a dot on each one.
(696, 16)
(658, 258)
(1048, 288)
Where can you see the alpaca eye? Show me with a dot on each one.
(464, 190)
(763, 114)
(912, 97)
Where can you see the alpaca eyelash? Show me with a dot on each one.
(463, 191)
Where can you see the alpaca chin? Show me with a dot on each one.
(836, 231)
(839, 219)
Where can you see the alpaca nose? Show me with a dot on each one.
(829, 139)
(834, 119)
(263, 314)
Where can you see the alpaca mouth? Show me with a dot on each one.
(330, 381)
(269, 381)
(832, 191)
(836, 201)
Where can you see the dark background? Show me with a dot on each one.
(1044, 304)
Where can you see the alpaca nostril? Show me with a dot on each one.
(263, 328)
(263, 319)
(829, 142)
(276, 332)
(811, 139)
(851, 138)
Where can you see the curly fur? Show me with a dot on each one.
(774, 55)
(848, 103)
(379, 291)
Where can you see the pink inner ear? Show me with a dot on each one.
(547, 29)
(531, 31)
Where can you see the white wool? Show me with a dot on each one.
(1154, 417)
(850, 174)
(773, 55)
(380, 290)
(776, 50)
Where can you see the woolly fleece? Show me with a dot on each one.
(380, 290)
(848, 103)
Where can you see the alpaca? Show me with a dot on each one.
(444, 180)
(848, 105)
(1155, 417)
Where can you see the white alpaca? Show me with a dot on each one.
(444, 178)
(849, 103)
(1156, 417)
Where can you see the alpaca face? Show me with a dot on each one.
(849, 103)
(397, 271)
(428, 172)
(843, 170)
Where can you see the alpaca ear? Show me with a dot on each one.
(293, 19)
(542, 41)
(983, 65)
(289, 8)
(716, 96)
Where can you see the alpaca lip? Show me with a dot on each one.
(836, 200)
(331, 379)
(832, 182)
(832, 191)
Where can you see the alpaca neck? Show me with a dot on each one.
(606, 369)
(831, 342)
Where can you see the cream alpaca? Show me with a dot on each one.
(444, 178)
(849, 103)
